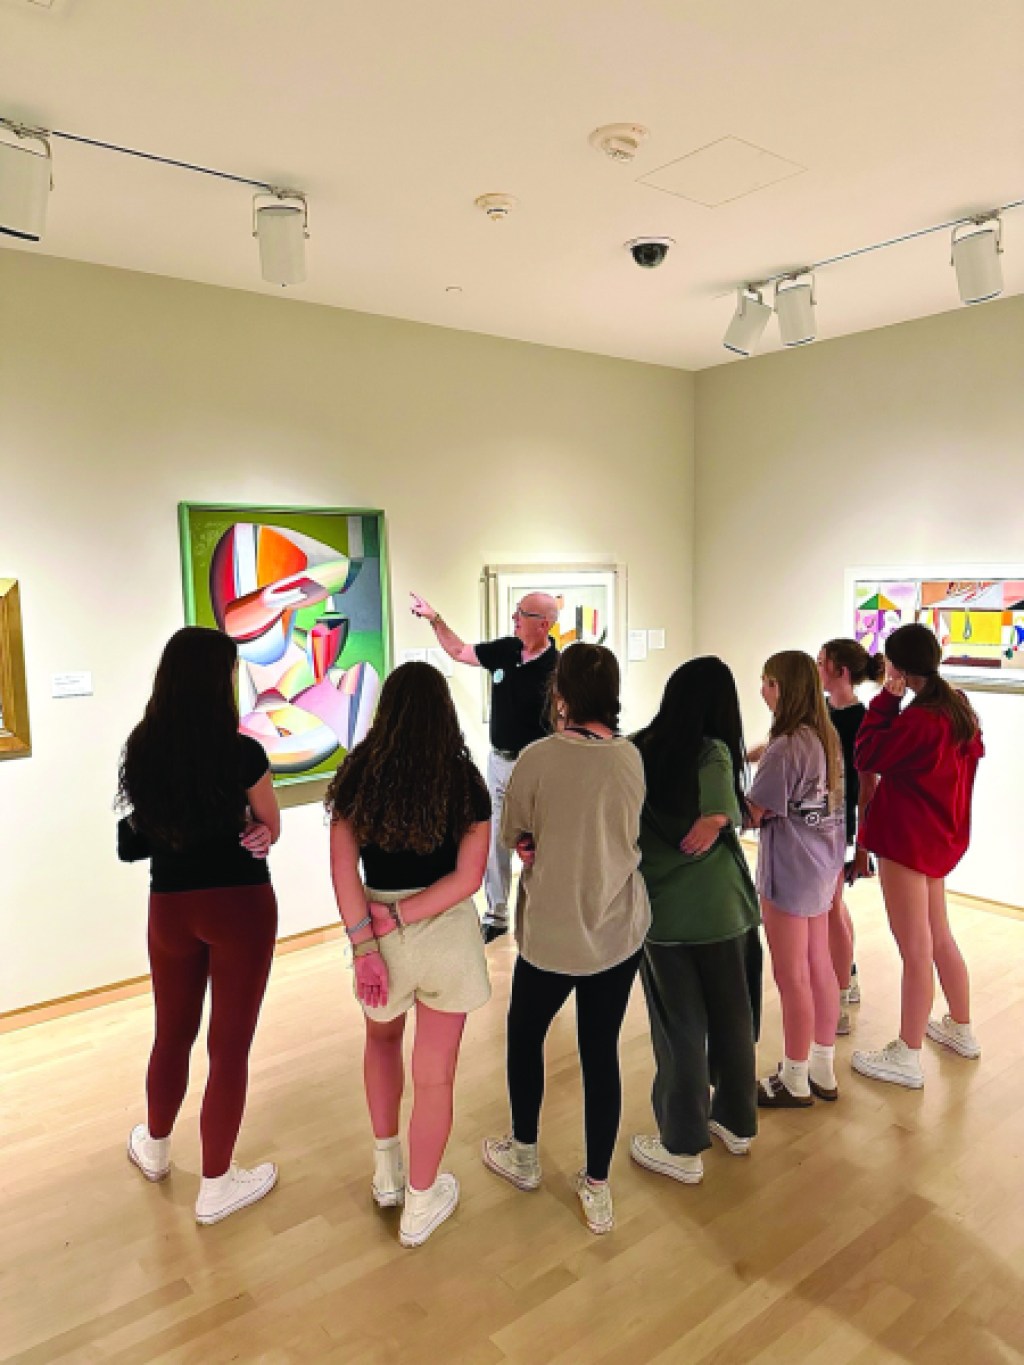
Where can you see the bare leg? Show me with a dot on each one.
(384, 1074)
(824, 987)
(434, 1057)
(947, 956)
(840, 936)
(787, 940)
(906, 903)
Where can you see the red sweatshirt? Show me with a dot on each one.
(920, 813)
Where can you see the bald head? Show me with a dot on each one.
(541, 604)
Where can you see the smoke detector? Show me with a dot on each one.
(619, 141)
(496, 206)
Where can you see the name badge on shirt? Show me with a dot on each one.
(499, 675)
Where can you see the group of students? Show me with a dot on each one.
(632, 864)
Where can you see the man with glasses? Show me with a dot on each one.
(520, 666)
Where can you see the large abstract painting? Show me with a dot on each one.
(304, 593)
(979, 621)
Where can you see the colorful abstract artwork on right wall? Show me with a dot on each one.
(978, 622)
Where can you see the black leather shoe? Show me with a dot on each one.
(491, 930)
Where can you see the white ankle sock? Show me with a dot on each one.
(822, 1066)
(385, 1144)
(794, 1077)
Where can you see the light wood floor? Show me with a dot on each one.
(887, 1227)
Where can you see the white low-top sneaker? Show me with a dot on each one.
(957, 1037)
(894, 1063)
(597, 1203)
(650, 1152)
(426, 1210)
(223, 1195)
(151, 1155)
(517, 1162)
(739, 1146)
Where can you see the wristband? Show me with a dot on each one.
(351, 929)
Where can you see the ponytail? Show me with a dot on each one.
(861, 666)
(937, 695)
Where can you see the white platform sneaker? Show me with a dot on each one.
(151, 1155)
(426, 1210)
(388, 1188)
(957, 1037)
(650, 1152)
(895, 1063)
(516, 1162)
(222, 1195)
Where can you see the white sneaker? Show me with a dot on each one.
(597, 1204)
(650, 1152)
(222, 1195)
(518, 1162)
(388, 1187)
(843, 1024)
(894, 1063)
(151, 1155)
(853, 994)
(737, 1145)
(426, 1210)
(957, 1037)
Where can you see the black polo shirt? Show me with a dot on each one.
(519, 692)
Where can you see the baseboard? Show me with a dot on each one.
(135, 985)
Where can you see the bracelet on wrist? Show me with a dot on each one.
(351, 929)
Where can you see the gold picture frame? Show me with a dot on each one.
(15, 738)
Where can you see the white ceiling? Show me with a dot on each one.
(394, 116)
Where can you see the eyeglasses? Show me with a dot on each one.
(533, 615)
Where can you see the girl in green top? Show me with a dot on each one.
(702, 960)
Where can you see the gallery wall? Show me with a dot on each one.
(903, 446)
(122, 394)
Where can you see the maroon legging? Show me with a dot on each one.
(224, 935)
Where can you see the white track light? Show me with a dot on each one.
(977, 247)
(24, 182)
(281, 223)
(794, 304)
(748, 322)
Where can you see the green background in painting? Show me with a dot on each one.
(201, 527)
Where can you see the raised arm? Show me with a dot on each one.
(451, 644)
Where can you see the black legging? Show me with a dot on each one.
(601, 1002)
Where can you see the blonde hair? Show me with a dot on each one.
(802, 702)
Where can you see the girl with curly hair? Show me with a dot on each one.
(409, 805)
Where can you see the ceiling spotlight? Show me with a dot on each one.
(748, 322)
(280, 221)
(976, 252)
(794, 304)
(25, 181)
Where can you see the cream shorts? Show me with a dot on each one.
(438, 961)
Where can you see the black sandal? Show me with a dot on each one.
(822, 1092)
(773, 1093)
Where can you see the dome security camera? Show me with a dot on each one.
(649, 252)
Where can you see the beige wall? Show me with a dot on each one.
(899, 446)
(121, 394)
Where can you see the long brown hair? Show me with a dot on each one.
(915, 650)
(180, 774)
(851, 655)
(411, 782)
(802, 702)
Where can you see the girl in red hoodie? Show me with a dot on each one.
(918, 826)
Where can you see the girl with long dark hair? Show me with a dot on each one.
(843, 665)
(918, 826)
(702, 950)
(572, 810)
(409, 804)
(201, 807)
